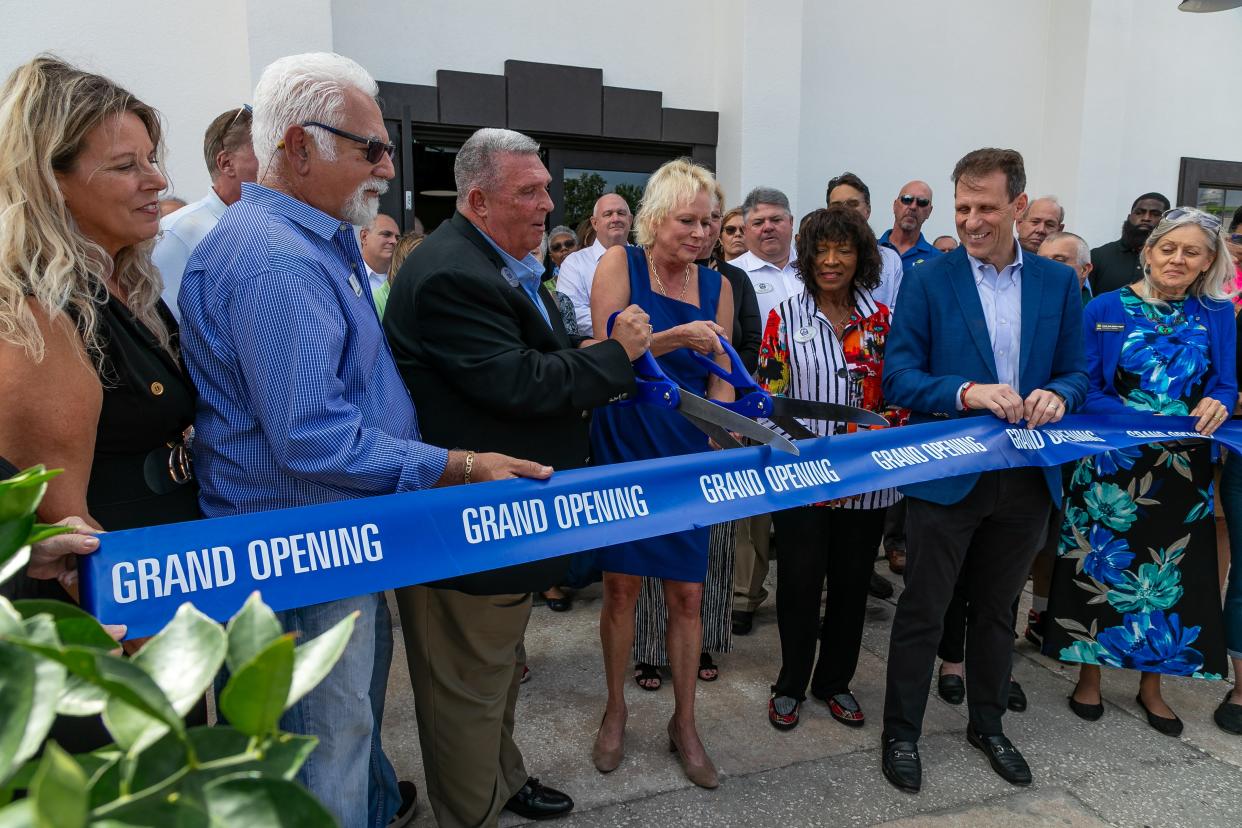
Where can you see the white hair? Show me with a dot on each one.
(477, 162)
(1082, 251)
(1055, 202)
(301, 88)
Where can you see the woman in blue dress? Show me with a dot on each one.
(690, 307)
(1135, 584)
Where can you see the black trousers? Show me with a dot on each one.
(819, 542)
(953, 640)
(988, 538)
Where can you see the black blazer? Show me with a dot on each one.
(487, 372)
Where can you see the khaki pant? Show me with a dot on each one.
(466, 656)
(750, 564)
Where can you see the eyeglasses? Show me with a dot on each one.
(1236, 238)
(557, 247)
(909, 199)
(731, 230)
(376, 149)
(1207, 221)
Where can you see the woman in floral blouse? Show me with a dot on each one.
(1135, 584)
(827, 344)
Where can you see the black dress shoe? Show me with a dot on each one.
(1228, 717)
(901, 765)
(1169, 727)
(1006, 759)
(880, 586)
(536, 801)
(1090, 712)
(951, 688)
(409, 805)
(1017, 699)
(742, 622)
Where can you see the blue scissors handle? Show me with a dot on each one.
(653, 385)
(752, 401)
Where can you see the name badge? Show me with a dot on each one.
(353, 283)
(1109, 327)
(804, 334)
(763, 287)
(509, 276)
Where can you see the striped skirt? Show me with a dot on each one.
(651, 614)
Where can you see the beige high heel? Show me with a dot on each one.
(703, 774)
(607, 761)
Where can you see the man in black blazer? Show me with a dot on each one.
(484, 353)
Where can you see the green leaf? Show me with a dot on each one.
(272, 803)
(43, 531)
(13, 534)
(316, 658)
(18, 815)
(184, 657)
(73, 624)
(12, 565)
(59, 790)
(255, 696)
(127, 685)
(49, 678)
(21, 493)
(81, 698)
(17, 681)
(250, 630)
(164, 806)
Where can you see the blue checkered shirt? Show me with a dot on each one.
(299, 399)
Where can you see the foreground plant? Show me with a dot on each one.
(56, 659)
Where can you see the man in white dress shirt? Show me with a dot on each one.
(767, 227)
(848, 189)
(612, 220)
(230, 160)
(378, 240)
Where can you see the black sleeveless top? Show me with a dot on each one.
(140, 474)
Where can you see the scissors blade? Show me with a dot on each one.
(792, 427)
(832, 412)
(718, 433)
(704, 410)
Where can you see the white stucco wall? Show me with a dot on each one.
(1103, 97)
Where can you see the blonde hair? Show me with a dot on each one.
(404, 247)
(47, 109)
(675, 183)
(1211, 283)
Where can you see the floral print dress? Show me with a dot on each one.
(1135, 584)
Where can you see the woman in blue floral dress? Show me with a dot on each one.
(1135, 584)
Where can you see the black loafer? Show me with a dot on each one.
(742, 622)
(1017, 699)
(1169, 727)
(880, 586)
(1005, 759)
(1089, 712)
(559, 604)
(901, 764)
(1228, 717)
(409, 805)
(951, 688)
(536, 801)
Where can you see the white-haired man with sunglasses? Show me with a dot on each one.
(301, 403)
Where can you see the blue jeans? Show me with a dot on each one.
(347, 771)
(1231, 499)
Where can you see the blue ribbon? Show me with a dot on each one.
(308, 555)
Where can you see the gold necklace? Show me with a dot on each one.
(655, 274)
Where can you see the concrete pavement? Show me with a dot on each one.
(1117, 771)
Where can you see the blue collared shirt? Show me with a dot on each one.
(1001, 297)
(526, 273)
(922, 251)
(300, 401)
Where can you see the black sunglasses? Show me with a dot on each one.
(732, 230)
(1236, 238)
(909, 199)
(557, 247)
(376, 149)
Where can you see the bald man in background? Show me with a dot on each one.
(611, 219)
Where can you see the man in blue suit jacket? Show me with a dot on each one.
(983, 330)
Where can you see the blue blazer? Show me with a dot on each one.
(1104, 350)
(939, 340)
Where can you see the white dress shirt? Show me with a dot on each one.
(576, 275)
(890, 278)
(180, 233)
(376, 279)
(1001, 297)
(772, 284)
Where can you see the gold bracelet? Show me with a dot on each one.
(469, 466)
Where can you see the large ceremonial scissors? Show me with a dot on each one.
(716, 421)
(753, 401)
